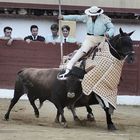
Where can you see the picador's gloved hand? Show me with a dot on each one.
(75, 58)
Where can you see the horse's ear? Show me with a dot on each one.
(131, 33)
(121, 31)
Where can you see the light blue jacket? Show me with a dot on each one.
(101, 25)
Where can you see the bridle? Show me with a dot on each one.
(120, 56)
(113, 48)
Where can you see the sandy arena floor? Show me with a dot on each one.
(23, 124)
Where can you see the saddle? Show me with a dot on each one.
(79, 72)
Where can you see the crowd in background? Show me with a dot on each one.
(53, 38)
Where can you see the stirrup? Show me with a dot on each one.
(61, 76)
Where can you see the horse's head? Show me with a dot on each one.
(123, 45)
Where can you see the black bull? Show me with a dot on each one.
(42, 84)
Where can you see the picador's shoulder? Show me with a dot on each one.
(105, 18)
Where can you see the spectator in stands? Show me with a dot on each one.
(34, 35)
(7, 35)
(66, 38)
(54, 37)
(7, 32)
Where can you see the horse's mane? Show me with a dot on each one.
(114, 39)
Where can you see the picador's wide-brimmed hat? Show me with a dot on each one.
(94, 11)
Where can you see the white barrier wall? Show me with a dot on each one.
(21, 27)
(121, 100)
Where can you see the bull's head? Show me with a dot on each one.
(74, 88)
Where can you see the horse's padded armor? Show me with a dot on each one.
(104, 78)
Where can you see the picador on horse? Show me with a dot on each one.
(99, 27)
(103, 72)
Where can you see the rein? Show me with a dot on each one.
(113, 48)
(128, 53)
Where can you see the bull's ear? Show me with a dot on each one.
(121, 31)
(131, 33)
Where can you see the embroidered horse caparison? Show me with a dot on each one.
(104, 78)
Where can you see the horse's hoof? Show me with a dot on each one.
(37, 115)
(112, 127)
(6, 117)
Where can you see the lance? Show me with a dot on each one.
(61, 42)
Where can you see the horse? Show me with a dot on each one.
(121, 48)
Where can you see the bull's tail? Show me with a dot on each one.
(18, 92)
(21, 84)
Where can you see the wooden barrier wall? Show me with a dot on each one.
(40, 55)
(130, 83)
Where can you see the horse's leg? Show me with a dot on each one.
(84, 101)
(110, 124)
(57, 117)
(32, 102)
(90, 116)
(105, 106)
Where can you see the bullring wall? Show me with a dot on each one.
(40, 55)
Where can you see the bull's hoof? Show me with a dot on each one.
(90, 117)
(6, 117)
(76, 119)
(112, 127)
(83, 122)
(64, 124)
(56, 120)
